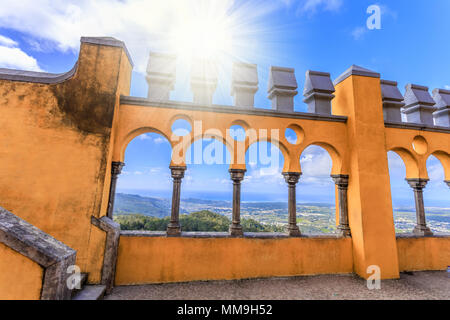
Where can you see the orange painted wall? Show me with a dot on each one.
(157, 260)
(418, 254)
(55, 148)
(369, 193)
(20, 278)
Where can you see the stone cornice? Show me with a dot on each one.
(135, 101)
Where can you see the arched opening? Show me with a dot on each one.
(437, 197)
(264, 192)
(316, 200)
(206, 190)
(403, 205)
(144, 187)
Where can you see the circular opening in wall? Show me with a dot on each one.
(291, 136)
(237, 132)
(181, 127)
(420, 145)
(294, 134)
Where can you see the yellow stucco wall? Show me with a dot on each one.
(55, 149)
(136, 120)
(156, 260)
(419, 254)
(369, 193)
(20, 277)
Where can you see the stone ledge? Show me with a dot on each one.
(136, 101)
(36, 77)
(108, 41)
(112, 230)
(414, 236)
(54, 256)
(355, 70)
(226, 235)
(413, 126)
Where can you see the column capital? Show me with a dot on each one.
(116, 167)
(177, 172)
(417, 184)
(291, 178)
(341, 180)
(237, 175)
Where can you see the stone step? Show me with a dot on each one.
(91, 292)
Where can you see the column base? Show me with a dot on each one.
(344, 231)
(422, 231)
(294, 232)
(236, 231)
(173, 231)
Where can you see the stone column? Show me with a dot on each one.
(174, 228)
(341, 182)
(292, 180)
(237, 175)
(116, 169)
(421, 228)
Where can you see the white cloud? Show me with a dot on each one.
(447, 87)
(436, 172)
(159, 140)
(144, 137)
(316, 163)
(143, 25)
(312, 6)
(359, 32)
(7, 42)
(12, 57)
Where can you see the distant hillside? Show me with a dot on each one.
(312, 217)
(204, 220)
(131, 204)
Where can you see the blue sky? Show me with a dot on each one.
(323, 35)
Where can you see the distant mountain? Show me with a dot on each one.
(131, 204)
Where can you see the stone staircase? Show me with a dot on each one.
(88, 292)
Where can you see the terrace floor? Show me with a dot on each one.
(428, 285)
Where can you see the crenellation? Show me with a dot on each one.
(244, 84)
(392, 101)
(318, 92)
(161, 75)
(282, 88)
(419, 105)
(442, 114)
(204, 77)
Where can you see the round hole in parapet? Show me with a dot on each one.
(420, 145)
(237, 132)
(181, 127)
(290, 136)
(294, 134)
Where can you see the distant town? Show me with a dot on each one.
(313, 218)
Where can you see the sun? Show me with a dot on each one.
(202, 34)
